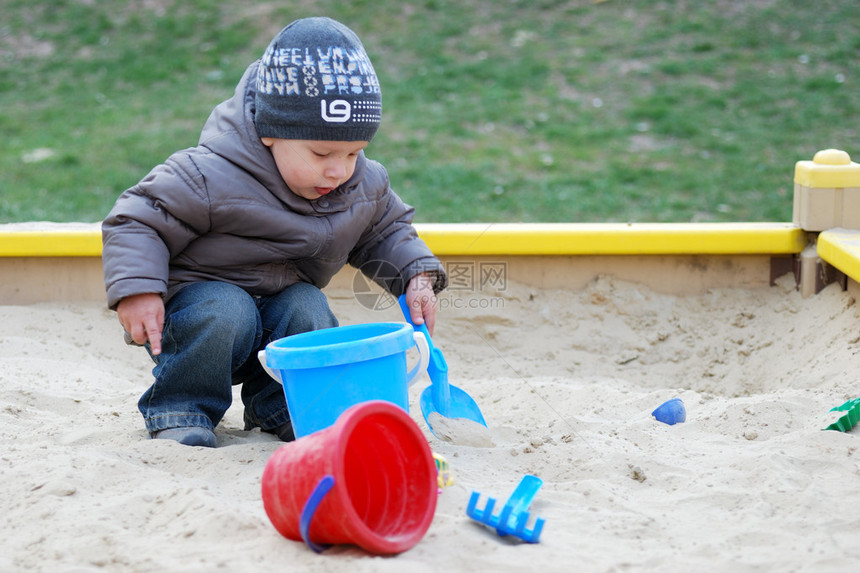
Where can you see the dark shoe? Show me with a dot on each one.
(284, 431)
(189, 436)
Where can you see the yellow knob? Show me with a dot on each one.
(831, 157)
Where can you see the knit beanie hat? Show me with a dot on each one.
(315, 81)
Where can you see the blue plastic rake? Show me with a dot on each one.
(514, 515)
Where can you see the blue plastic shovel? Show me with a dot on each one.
(441, 397)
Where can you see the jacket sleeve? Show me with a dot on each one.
(149, 224)
(390, 251)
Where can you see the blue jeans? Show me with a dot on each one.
(212, 333)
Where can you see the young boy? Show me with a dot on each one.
(225, 246)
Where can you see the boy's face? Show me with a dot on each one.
(312, 169)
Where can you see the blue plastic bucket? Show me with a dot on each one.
(324, 372)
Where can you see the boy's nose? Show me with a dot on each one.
(335, 170)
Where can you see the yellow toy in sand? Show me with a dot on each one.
(443, 472)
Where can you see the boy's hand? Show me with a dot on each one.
(422, 301)
(142, 316)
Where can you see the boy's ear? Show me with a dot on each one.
(267, 141)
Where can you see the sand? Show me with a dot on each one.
(566, 381)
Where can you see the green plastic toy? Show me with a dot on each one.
(849, 419)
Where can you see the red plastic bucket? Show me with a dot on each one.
(368, 480)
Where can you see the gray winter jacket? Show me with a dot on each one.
(221, 211)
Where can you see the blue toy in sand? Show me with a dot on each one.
(514, 516)
(671, 412)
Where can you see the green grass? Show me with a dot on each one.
(514, 110)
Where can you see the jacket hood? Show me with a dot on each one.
(230, 133)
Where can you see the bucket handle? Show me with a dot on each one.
(316, 497)
(423, 358)
(261, 356)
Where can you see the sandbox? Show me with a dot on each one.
(567, 336)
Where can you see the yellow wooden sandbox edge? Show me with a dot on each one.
(54, 240)
(613, 238)
(453, 239)
(841, 248)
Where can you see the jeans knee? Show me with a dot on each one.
(217, 310)
(312, 311)
(298, 308)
